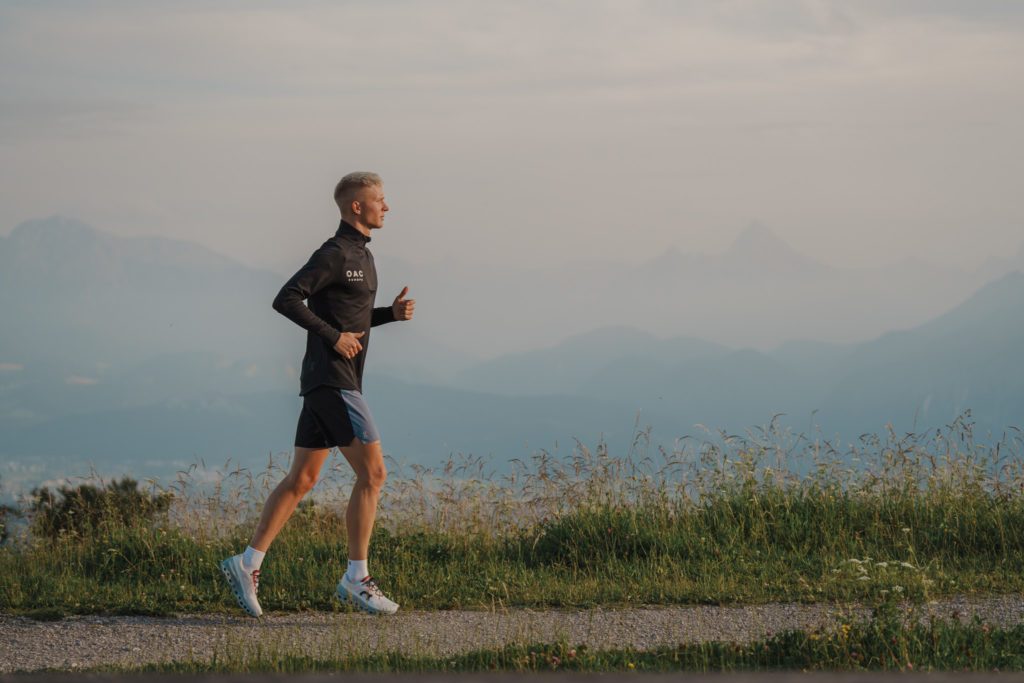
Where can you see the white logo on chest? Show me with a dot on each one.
(354, 275)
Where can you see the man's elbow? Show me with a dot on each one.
(280, 303)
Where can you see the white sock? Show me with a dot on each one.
(357, 570)
(252, 558)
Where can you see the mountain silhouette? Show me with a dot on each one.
(759, 244)
(81, 294)
(969, 358)
(181, 343)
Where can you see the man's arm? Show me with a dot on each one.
(318, 272)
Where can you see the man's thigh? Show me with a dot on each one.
(308, 462)
(367, 459)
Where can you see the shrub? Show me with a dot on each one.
(87, 508)
(6, 511)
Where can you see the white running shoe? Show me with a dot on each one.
(244, 584)
(365, 595)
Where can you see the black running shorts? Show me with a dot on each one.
(333, 417)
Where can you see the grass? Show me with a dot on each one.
(769, 516)
(887, 641)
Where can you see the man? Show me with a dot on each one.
(339, 282)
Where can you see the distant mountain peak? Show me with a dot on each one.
(62, 238)
(997, 303)
(756, 247)
(670, 258)
(1009, 285)
(759, 246)
(757, 237)
(56, 225)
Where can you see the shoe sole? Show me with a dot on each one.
(342, 595)
(238, 593)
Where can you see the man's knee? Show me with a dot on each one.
(375, 475)
(302, 482)
(305, 470)
(368, 462)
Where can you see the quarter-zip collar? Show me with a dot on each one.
(346, 231)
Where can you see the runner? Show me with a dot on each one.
(339, 282)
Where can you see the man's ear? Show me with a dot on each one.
(357, 207)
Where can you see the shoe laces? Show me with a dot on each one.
(256, 580)
(372, 587)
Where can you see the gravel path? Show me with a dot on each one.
(84, 642)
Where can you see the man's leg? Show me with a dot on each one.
(242, 571)
(282, 501)
(367, 460)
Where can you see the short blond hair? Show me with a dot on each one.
(350, 184)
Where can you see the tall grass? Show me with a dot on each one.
(769, 515)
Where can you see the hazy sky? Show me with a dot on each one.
(525, 132)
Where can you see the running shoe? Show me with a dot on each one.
(244, 584)
(365, 595)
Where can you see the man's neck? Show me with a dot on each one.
(357, 224)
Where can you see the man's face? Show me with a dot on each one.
(372, 206)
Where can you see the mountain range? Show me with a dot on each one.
(759, 293)
(143, 355)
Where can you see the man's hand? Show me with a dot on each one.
(348, 344)
(403, 307)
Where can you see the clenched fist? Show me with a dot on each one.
(348, 344)
(403, 307)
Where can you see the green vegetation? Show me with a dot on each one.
(761, 518)
(87, 509)
(886, 642)
(6, 512)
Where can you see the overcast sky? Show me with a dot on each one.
(523, 132)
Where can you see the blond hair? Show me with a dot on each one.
(350, 184)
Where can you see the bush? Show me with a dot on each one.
(87, 508)
(6, 511)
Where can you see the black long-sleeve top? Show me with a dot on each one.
(339, 282)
